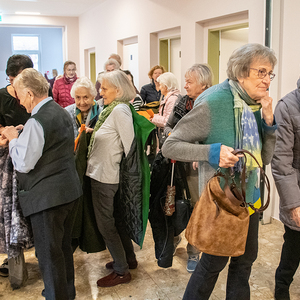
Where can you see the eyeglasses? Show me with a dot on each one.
(262, 73)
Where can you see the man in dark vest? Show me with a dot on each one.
(42, 154)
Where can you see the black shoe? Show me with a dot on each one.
(4, 268)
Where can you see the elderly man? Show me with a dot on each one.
(198, 78)
(286, 170)
(42, 154)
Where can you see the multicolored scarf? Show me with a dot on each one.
(102, 117)
(246, 130)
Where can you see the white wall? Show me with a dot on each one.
(70, 32)
(117, 20)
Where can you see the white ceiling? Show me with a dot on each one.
(70, 8)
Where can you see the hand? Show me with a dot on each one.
(195, 165)
(227, 159)
(295, 214)
(10, 133)
(3, 141)
(267, 110)
(20, 127)
(88, 129)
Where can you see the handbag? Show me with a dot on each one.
(220, 219)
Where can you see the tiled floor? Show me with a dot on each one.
(151, 282)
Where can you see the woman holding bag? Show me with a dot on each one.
(224, 117)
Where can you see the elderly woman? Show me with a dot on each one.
(42, 155)
(112, 136)
(227, 117)
(198, 78)
(14, 228)
(111, 64)
(62, 86)
(85, 110)
(151, 92)
(168, 85)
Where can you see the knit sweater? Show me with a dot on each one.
(198, 136)
(114, 137)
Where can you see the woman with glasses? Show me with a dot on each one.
(14, 232)
(236, 114)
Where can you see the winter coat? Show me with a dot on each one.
(165, 109)
(135, 181)
(286, 159)
(61, 92)
(149, 93)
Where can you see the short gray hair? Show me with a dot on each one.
(83, 82)
(117, 57)
(34, 81)
(169, 80)
(112, 62)
(239, 63)
(202, 73)
(119, 80)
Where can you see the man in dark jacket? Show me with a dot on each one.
(286, 172)
(42, 154)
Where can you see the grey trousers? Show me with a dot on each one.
(109, 222)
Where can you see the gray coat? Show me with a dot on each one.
(286, 159)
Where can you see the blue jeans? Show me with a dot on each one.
(204, 278)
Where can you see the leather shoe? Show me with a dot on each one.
(113, 279)
(132, 265)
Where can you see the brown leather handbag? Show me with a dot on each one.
(220, 219)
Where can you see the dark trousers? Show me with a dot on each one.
(204, 278)
(289, 262)
(52, 239)
(110, 225)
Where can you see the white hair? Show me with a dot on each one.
(112, 62)
(83, 82)
(169, 80)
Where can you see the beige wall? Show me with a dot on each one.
(116, 20)
(70, 32)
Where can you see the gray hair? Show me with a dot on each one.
(83, 82)
(112, 62)
(119, 80)
(202, 73)
(169, 80)
(34, 81)
(117, 57)
(239, 63)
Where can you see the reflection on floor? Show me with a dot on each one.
(151, 282)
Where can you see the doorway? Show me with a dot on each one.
(221, 43)
(131, 61)
(170, 56)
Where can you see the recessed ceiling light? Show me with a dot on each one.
(26, 13)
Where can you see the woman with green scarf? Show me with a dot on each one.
(112, 136)
(236, 114)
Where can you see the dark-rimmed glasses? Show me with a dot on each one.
(262, 73)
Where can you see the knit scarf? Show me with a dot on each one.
(246, 130)
(102, 117)
(69, 80)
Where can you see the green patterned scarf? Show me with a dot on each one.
(246, 130)
(102, 117)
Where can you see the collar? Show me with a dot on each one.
(40, 104)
